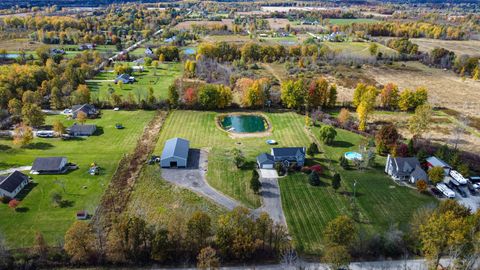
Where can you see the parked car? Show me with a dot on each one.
(475, 179)
(45, 134)
(153, 159)
(471, 189)
(450, 185)
(67, 111)
(461, 191)
(119, 126)
(116, 109)
(445, 190)
(437, 193)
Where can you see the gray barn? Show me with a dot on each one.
(175, 153)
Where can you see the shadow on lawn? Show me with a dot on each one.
(342, 144)
(4, 147)
(66, 203)
(20, 196)
(22, 209)
(39, 146)
(99, 131)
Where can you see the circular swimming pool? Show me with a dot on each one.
(244, 123)
(353, 156)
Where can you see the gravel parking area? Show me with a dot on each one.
(193, 178)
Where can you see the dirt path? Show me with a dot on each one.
(11, 170)
(115, 198)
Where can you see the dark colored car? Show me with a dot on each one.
(450, 185)
(461, 191)
(471, 188)
(437, 193)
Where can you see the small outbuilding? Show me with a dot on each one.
(265, 161)
(89, 110)
(82, 130)
(49, 165)
(12, 184)
(175, 153)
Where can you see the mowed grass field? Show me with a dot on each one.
(459, 47)
(200, 129)
(359, 49)
(381, 202)
(307, 209)
(80, 190)
(159, 79)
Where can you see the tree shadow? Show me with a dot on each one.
(99, 131)
(39, 146)
(66, 203)
(4, 147)
(268, 194)
(22, 209)
(27, 189)
(342, 144)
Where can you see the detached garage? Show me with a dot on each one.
(175, 153)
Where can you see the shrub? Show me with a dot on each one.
(343, 162)
(306, 169)
(336, 181)
(5, 199)
(314, 179)
(255, 184)
(436, 174)
(421, 186)
(316, 168)
(312, 149)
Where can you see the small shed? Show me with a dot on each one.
(175, 153)
(265, 161)
(82, 130)
(49, 165)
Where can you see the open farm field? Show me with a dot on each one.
(160, 79)
(459, 47)
(187, 25)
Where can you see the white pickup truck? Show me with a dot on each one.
(445, 190)
(458, 177)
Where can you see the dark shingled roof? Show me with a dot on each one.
(11, 182)
(48, 164)
(419, 173)
(287, 151)
(265, 158)
(83, 129)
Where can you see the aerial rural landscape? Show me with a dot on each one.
(278, 134)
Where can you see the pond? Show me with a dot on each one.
(246, 123)
(189, 51)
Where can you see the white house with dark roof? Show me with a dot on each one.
(175, 153)
(49, 165)
(12, 184)
(405, 169)
(88, 109)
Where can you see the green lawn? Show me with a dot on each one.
(199, 127)
(350, 21)
(360, 49)
(82, 191)
(157, 200)
(159, 80)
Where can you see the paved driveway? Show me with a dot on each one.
(9, 171)
(272, 203)
(193, 178)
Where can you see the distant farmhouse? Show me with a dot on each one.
(87, 46)
(12, 184)
(82, 130)
(124, 78)
(149, 52)
(57, 51)
(284, 155)
(175, 153)
(88, 109)
(49, 165)
(405, 169)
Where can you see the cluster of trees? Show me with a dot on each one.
(409, 29)
(463, 65)
(234, 236)
(403, 45)
(251, 52)
(299, 94)
(168, 53)
(108, 26)
(448, 230)
(206, 96)
(254, 93)
(365, 100)
(25, 89)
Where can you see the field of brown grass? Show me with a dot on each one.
(19, 44)
(446, 89)
(459, 47)
(187, 25)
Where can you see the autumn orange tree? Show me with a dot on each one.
(22, 135)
